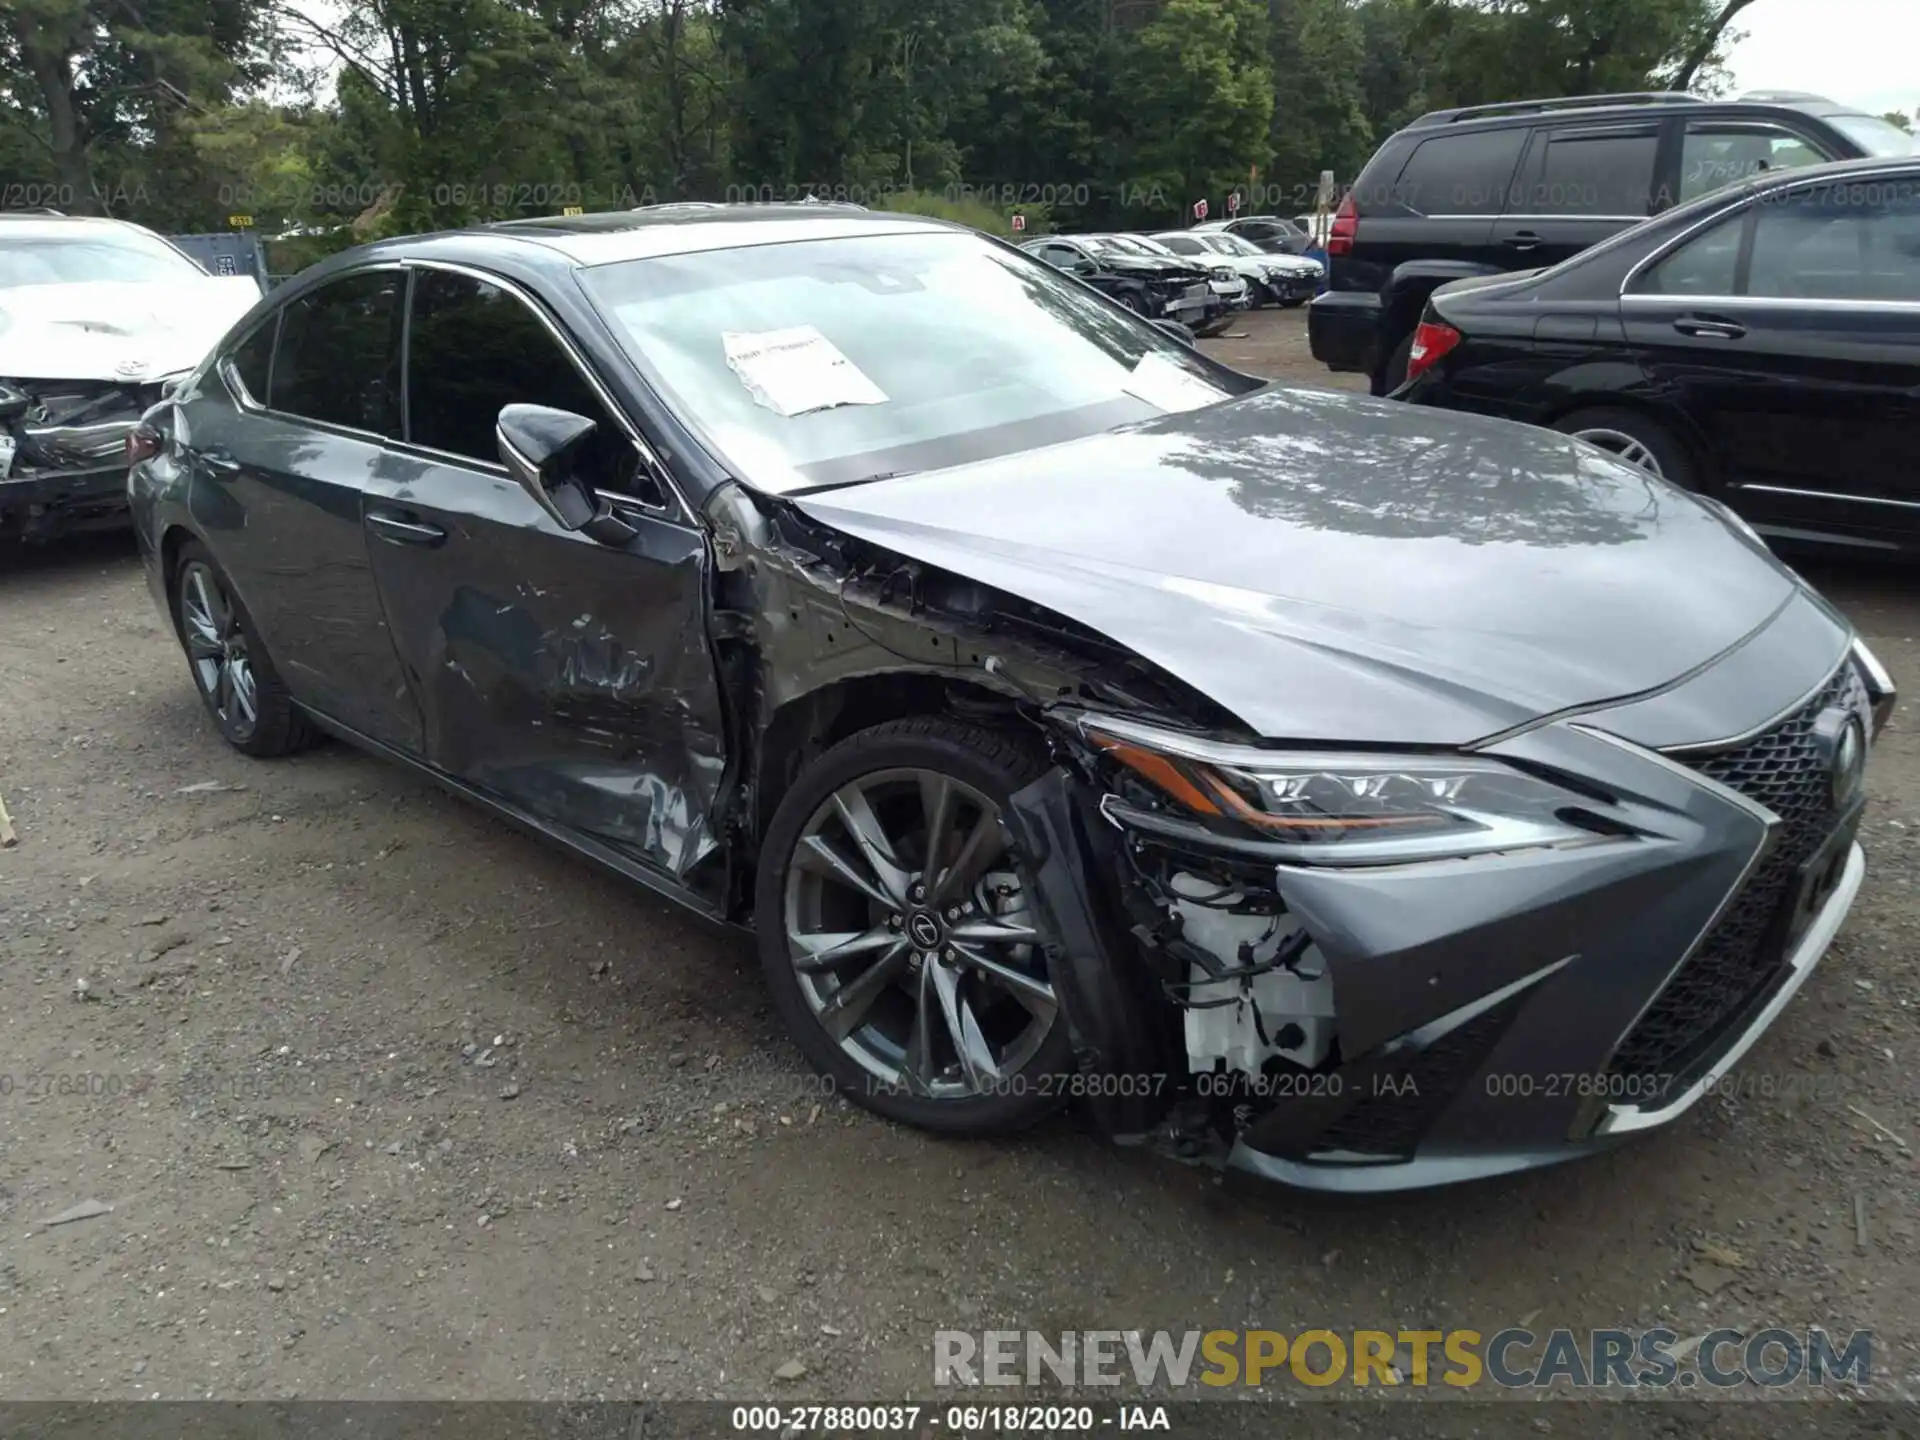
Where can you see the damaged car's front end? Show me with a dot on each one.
(98, 319)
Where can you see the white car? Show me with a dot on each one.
(95, 317)
(1287, 280)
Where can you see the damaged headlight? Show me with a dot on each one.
(1357, 808)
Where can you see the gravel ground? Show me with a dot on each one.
(388, 1100)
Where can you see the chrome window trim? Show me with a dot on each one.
(1756, 301)
(1832, 495)
(679, 509)
(1519, 215)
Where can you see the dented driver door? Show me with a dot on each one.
(570, 678)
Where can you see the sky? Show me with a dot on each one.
(1864, 53)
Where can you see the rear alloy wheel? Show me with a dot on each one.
(1637, 439)
(896, 933)
(236, 680)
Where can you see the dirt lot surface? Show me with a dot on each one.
(388, 1100)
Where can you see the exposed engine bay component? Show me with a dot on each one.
(71, 425)
(1255, 1010)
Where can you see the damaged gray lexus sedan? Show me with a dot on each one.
(1362, 796)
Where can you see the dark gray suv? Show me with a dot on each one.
(1495, 188)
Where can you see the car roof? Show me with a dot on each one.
(610, 236)
(40, 223)
(1629, 104)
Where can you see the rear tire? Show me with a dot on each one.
(1393, 374)
(230, 666)
(1636, 439)
(910, 1015)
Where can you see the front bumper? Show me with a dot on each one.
(39, 504)
(1501, 1013)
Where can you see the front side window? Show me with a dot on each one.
(835, 361)
(338, 359)
(72, 255)
(474, 347)
(1714, 154)
(1600, 173)
(1858, 241)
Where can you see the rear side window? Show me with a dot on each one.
(1460, 174)
(251, 358)
(474, 348)
(338, 359)
(1601, 173)
(1708, 264)
(1839, 242)
(1716, 154)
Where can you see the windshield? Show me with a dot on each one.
(70, 258)
(825, 362)
(1875, 136)
(1185, 245)
(1233, 245)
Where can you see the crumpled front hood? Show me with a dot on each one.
(116, 329)
(1331, 567)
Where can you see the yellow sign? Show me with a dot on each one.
(572, 210)
(240, 222)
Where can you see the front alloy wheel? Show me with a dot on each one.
(900, 943)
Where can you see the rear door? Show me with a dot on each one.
(568, 677)
(1578, 185)
(1804, 368)
(279, 478)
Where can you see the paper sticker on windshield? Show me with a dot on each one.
(797, 371)
(1169, 385)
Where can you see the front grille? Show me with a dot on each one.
(1404, 1100)
(1739, 958)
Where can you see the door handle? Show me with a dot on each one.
(1708, 327)
(399, 530)
(219, 462)
(1524, 240)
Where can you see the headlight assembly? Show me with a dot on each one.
(1347, 808)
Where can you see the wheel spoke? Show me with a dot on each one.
(816, 853)
(916, 1065)
(981, 848)
(1035, 994)
(936, 807)
(976, 1057)
(844, 1013)
(994, 930)
(243, 695)
(864, 826)
(821, 950)
(223, 688)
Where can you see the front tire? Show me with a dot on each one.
(895, 932)
(1637, 439)
(230, 667)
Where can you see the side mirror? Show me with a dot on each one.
(538, 445)
(1175, 329)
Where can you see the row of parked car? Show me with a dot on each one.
(1199, 278)
(1726, 294)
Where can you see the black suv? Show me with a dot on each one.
(1496, 188)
